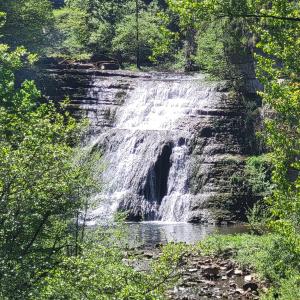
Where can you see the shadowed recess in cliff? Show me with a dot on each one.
(156, 186)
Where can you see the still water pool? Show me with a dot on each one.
(152, 233)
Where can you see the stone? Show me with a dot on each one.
(211, 271)
(108, 66)
(248, 278)
(239, 291)
(253, 286)
(229, 272)
(148, 255)
(192, 270)
(238, 272)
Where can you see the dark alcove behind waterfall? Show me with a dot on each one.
(156, 186)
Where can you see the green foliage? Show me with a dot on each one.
(112, 29)
(276, 26)
(258, 217)
(100, 39)
(256, 252)
(71, 34)
(254, 180)
(101, 272)
(101, 20)
(250, 250)
(287, 289)
(44, 181)
(211, 53)
(166, 48)
(258, 174)
(278, 68)
(221, 42)
(279, 72)
(124, 43)
(28, 23)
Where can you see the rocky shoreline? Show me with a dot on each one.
(206, 277)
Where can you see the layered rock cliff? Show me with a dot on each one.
(172, 144)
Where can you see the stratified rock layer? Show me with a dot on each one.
(172, 144)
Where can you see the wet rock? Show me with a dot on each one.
(108, 66)
(221, 140)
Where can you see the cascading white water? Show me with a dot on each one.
(147, 154)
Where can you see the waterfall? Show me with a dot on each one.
(147, 153)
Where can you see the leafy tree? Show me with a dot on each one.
(220, 42)
(128, 30)
(28, 23)
(211, 51)
(71, 34)
(125, 42)
(279, 69)
(102, 17)
(43, 184)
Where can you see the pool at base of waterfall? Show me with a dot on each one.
(150, 234)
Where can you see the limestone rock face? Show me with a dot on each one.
(172, 144)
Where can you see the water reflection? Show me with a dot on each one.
(152, 233)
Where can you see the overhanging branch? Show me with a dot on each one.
(293, 19)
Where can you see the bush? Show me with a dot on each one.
(103, 271)
(44, 181)
(269, 255)
(258, 172)
(286, 289)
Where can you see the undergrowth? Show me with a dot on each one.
(267, 255)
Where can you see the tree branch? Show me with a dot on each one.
(293, 19)
(35, 235)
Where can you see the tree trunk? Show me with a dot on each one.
(138, 64)
(190, 50)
